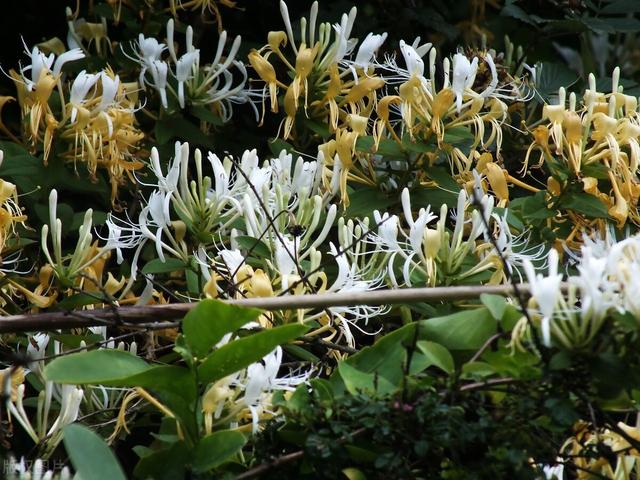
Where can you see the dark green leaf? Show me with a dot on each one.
(94, 367)
(168, 266)
(90, 455)
(210, 320)
(437, 355)
(243, 352)
(466, 330)
(213, 450)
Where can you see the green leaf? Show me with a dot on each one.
(466, 330)
(495, 303)
(621, 7)
(514, 11)
(385, 357)
(552, 76)
(276, 145)
(437, 355)
(94, 367)
(165, 464)
(177, 126)
(170, 378)
(363, 201)
(213, 450)
(90, 456)
(357, 381)
(210, 320)
(243, 352)
(386, 148)
(612, 24)
(206, 115)
(256, 247)
(168, 266)
(586, 204)
(79, 300)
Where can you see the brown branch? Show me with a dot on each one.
(133, 315)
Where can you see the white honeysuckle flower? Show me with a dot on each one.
(79, 90)
(46, 63)
(412, 59)
(387, 235)
(344, 44)
(545, 290)
(149, 49)
(155, 214)
(169, 182)
(221, 177)
(418, 230)
(39, 63)
(285, 256)
(491, 88)
(109, 90)
(159, 70)
(597, 293)
(69, 408)
(368, 48)
(261, 379)
(36, 348)
(122, 235)
(553, 472)
(349, 279)
(515, 249)
(66, 57)
(231, 260)
(464, 73)
(184, 71)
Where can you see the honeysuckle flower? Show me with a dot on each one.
(350, 279)
(464, 73)
(261, 380)
(159, 70)
(184, 71)
(545, 290)
(110, 87)
(81, 86)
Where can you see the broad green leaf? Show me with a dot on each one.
(243, 352)
(169, 378)
(357, 381)
(213, 450)
(165, 464)
(586, 204)
(552, 76)
(495, 303)
(621, 7)
(466, 330)
(94, 367)
(255, 247)
(91, 457)
(387, 356)
(205, 114)
(437, 355)
(612, 24)
(168, 266)
(177, 126)
(386, 148)
(276, 145)
(80, 300)
(363, 201)
(210, 320)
